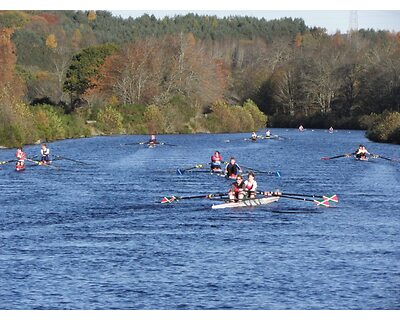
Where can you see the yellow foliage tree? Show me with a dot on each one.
(154, 119)
(51, 41)
(91, 15)
(77, 38)
(298, 40)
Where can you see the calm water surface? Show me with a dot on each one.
(96, 237)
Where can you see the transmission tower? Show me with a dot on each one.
(353, 21)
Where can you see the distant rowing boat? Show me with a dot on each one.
(246, 203)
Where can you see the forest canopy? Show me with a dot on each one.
(65, 69)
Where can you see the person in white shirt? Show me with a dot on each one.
(251, 185)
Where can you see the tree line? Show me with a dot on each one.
(176, 74)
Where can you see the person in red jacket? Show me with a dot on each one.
(21, 156)
(216, 160)
(237, 191)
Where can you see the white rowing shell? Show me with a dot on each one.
(246, 203)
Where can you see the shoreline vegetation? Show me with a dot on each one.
(71, 74)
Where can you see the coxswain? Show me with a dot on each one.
(253, 136)
(45, 152)
(232, 169)
(250, 185)
(361, 152)
(237, 191)
(21, 156)
(216, 160)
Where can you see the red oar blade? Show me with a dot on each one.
(168, 200)
(333, 198)
(324, 203)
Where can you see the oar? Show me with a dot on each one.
(39, 163)
(148, 143)
(130, 143)
(167, 144)
(323, 202)
(272, 173)
(333, 198)
(69, 159)
(181, 171)
(231, 140)
(379, 156)
(177, 198)
(7, 161)
(340, 156)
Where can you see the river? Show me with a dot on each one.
(97, 237)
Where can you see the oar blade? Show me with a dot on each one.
(324, 203)
(168, 200)
(333, 198)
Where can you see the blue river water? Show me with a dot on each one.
(97, 237)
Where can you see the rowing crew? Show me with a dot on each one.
(241, 190)
(232, 169)
(254, 136)
(361, 153)
(21, 157)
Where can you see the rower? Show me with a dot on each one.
(301, 128)
(361, 152)
(152, 140)
(21, 156)
(253, 136)
(331, 130)
(45, 152)
(250, 185)
(232, 169)
(237, 192)
(216, 160)
(268, 133)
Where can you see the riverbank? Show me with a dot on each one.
(48, 123)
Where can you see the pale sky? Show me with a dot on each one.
(332, 20)
(332, 15)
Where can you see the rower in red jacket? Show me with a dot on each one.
(216, 160)
(21, 156)
(237, 191)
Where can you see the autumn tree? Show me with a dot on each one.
(84, 71)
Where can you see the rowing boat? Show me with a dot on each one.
(246, 203)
